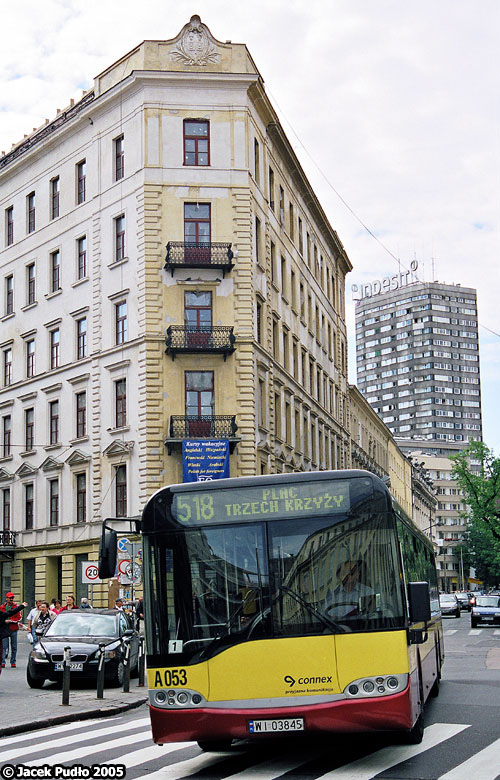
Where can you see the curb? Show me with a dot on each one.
(102, 712)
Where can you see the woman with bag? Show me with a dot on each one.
(43, 620)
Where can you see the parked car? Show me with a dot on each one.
(449, 605)
(486, 610)
(463, 599)
(83, 630)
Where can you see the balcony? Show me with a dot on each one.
(187, 338)
(181, 254)
(220, 426)
(7, 542)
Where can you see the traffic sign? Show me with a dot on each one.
(123, 545)
(123, 567)
(90, 573)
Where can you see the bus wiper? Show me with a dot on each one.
(229, 622)
(328, 622)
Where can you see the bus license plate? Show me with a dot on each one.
(275, 726)
(74, 667)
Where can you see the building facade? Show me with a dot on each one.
(168, 274)
(417, 354)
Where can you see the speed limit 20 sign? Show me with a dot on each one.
(90, 573)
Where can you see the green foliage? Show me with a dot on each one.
(482, 551)
(480, 486)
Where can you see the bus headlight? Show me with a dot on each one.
(382, 685)
(172, 698)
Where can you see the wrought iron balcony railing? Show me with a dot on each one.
(182, 254)
(218, 426)
(188, 338)
(7, 540)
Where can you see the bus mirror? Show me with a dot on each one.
(107, 552)
(419, 601)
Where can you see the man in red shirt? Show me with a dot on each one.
(13, 624)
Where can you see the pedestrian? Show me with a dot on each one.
(139, 613)
(119, 604)
(9, 626)
(70, 603)
(31, 616)
(84, 603)
(55, 606)
(43, 620)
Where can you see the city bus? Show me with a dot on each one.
(298, 602)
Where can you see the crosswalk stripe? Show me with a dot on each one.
(369, 766)
(496, 631)
(187, 767)
(475, 631)
(152, 752)
(450, 631)
(29, 735)
(50, 744)
(84, 752)
(484, 765)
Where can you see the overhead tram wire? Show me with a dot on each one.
(346, 204)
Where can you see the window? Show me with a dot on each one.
(9, 294)
(30, 358)
(30, 204)
(200, 397)
(259, 322)
(6, 509)
(81, 415)
(121, 322)
(28, 507)
(257, 239)
(197, 223)
(55, 353)
(282, 205)
(81, 338)
(30, 284)
(81, 181)
(29, 430)
(55, 271)
(121, 491)
(119, 158)
(54, 422)
(271, 189)
(198, 314)
(121, 403)
(54, 198)
(6, 436)
(81, 249)
(54, 502)
(196, 142)
(301, 237)
(81, 498)
(120, 238)
(7, 367)
(256, 160)
(9, 225)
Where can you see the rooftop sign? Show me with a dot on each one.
(387, 284)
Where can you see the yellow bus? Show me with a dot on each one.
(301, 602)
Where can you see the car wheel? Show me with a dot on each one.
(118, 674)
(473, 623)
(457, 613)
(33, 682)
(214, 745)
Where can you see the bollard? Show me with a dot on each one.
(140, 663)
(66, 676)
(126, 667)
(100, 672)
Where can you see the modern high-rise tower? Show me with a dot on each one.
(417, 358)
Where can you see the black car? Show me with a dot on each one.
(449, 605)
(486, 610)
(82, 630)
(463, 599)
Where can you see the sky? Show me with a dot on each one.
(392, 107)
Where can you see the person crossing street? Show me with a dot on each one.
(9, 626)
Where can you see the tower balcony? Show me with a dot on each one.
(7, 542)
(183, 254)
(205, 338)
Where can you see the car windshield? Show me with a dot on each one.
(445, 598)
(462, 595)
(79, 624)
(487, 601)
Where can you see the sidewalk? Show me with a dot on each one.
(25, 709)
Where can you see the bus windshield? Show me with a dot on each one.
(216, 586)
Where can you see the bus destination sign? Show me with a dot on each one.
(261, 503)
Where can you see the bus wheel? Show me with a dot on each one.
(416, 734)
(214, 745)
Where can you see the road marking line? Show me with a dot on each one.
(385, 758)
(484, 765)
(152, 752)
(475, 631)
(187, 767)
(450, 631)
(88, 751)
(29, 735)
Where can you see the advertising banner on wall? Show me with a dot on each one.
(205, 459)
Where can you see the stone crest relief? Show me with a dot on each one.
(195, 44)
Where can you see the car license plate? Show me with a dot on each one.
(488, 617)
(74, 666)
(275, 726)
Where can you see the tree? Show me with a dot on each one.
(480, 485)
(480, 550)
